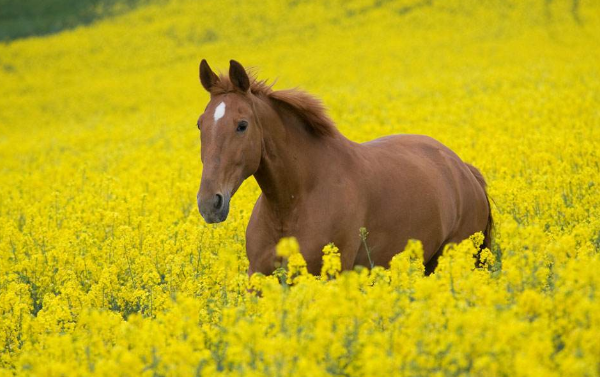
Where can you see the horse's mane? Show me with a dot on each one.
(303, 104)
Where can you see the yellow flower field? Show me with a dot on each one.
(106, 267)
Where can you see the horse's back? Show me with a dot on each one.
(419, 163)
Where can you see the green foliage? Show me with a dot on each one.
(24, 18)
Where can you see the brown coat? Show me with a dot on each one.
(320, 187)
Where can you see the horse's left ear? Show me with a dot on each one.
(238, 76)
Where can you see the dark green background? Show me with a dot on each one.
(23, 18)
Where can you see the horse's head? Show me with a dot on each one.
(231, 140)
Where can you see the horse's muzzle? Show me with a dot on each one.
(214, 208)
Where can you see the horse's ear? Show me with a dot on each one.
(207, 77)
(238, 76)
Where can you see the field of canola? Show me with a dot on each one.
(107, 268)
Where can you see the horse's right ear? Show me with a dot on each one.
(207, 77)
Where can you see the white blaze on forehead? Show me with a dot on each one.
(219, 111)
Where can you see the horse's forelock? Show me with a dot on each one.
(257, 87)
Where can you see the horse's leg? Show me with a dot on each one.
(348, 252)
(433, 261)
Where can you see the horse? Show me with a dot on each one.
(320, 187)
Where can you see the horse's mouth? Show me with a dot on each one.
(215, 218)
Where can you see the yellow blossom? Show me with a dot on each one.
(106, 267)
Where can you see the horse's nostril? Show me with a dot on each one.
(219, 201)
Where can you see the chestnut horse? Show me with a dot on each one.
(320, 187)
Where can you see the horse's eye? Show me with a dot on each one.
(242, 125)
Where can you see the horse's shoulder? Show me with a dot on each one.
(257, 219)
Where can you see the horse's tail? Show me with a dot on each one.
(489, 228)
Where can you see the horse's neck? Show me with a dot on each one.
(291, 158)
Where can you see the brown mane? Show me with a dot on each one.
(306, 106)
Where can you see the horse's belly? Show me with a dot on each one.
(389, 234)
